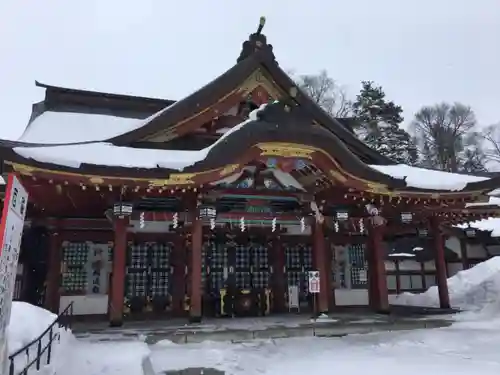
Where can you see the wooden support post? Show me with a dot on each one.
(329, 269)
(422, 275)
(52, 292)
(196, 263)
(321, 264)
(378, 278)
(117, 290)
(463, 254)
(278, 276)
(442, 282)
(178, 275)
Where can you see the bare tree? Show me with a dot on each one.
(491, 135)
(325, 91)
(446, 138)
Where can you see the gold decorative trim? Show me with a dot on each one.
(23, 169)
(96, 180)
(337, 175)
(229, 169)
(286, 150)
(165, 133)
(174, 179)
(259, 78)
(281, 149)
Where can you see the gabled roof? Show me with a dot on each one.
(256, 56)
(276, 130)
(123, 120)
(69, 115)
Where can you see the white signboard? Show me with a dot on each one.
(11, 231)
(313, 281)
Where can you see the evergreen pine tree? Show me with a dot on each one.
(379, 125)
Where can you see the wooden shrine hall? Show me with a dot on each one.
(220, 203)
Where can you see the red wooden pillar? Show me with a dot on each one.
(117, 291)
(377, 278)
(178, 276)
(321, 264)
(52, 295)
(329, 274)
(442, 282)
(278, 276)
(196, 263)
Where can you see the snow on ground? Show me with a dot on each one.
(444, 351)
(109, 358)
(28, 322)
(475, 289)
(469, 346)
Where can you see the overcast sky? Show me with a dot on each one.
(421, 52)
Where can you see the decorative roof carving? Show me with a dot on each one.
(257, 42)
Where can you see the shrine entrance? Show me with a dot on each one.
(148, 278)
(236, 275)
(298, 262)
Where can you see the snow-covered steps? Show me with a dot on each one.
(320, 328)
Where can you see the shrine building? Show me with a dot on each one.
(220, 204)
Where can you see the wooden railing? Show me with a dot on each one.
(43, 345)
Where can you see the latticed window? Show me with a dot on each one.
(148, 270)
(75, 258)
(359, 268)
(298, 260)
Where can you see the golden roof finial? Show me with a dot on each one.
(262, 22)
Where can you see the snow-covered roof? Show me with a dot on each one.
(73, 127)
(402, 255)
(103, 153)
(491, 224)
(427, 178)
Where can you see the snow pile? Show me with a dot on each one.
(475, 289)
(28, 322)
(491, 224)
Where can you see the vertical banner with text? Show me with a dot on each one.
(11, 232)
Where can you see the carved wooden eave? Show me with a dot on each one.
(256, 82)
(281, 131)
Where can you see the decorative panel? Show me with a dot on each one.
(75, 256)
(359, 266)
(298, 262)
(148, 271)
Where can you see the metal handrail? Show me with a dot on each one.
(65, 323)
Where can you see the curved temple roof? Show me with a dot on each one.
(122, 120)
(275, 130)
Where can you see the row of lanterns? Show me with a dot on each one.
(209, 213)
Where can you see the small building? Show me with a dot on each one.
(222, 202)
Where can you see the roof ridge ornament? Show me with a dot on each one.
(257, 42)
(285, 112)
